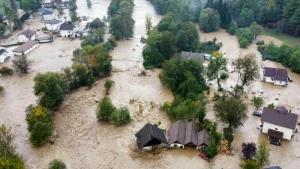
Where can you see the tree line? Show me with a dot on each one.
(121, 22)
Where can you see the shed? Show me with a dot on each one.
(44, 39)
(150, 135)
(26, 47)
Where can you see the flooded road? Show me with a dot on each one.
(83, 143)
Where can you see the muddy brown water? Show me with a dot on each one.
(83, 143)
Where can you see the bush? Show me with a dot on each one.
(105, 109)
(271, 106)
(260, 42)
(249, 150)
(220, 89)
(223, 75)
(1, 88)
(21, 65)
(211, 150)
(108, 84)
(245, 37)
(244, 43)
(121, 116)
(250, 164)
(258, 102)
(57, 164)
(25, 17)
(39, 121)
(12, 163)
(6, 71)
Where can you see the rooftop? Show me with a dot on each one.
(25, 46)
(276, 73)
(280, 118)
(48, 12)
(66, 26)
(28, 33)
(53, 21)
(190, 55)
(2, 51)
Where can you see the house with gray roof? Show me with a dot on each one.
(276, 76)
(52, 24)
(48, 15)
(279, 123)
(26, 47)
(27, 35)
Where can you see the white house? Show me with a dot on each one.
(52, 24)
(48, 15)
(3, 54)
(27, 35)
(67, 30)
(42, 10)
(276, 75)
(279, 123)
(26, 47)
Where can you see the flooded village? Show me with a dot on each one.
(82, 142)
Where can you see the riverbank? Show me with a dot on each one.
(290, 40)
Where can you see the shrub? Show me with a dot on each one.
(6, 71)
(39, 121)
(220, 89)
(57, 164)
(108, 84)
(249, 150)
(223, 75)
(258, 102)
(250, 164)
(121, 116)
(105, 109)
(271, 106)
(12, 163)
(260, 42)
(244, 43)
(1, 88)
(21, 65)
(25, 17)
(211, 150)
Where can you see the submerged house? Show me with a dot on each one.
(67, 30)
(277, 76)
(52, 24)
(3, 55)
(48, 15)
(279, 123)
(199, 57)
(27, 35)
(26, 47)
(183, 133)
(150, 136)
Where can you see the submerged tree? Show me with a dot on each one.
(258, 102)
(209, 20)
(256, 29)
(216, 66)
(21, 65)
(262, 154)
(148, 24)
(247, 68)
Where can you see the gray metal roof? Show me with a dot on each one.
(24, 47)
(28, 33)
(176, 132)
(276, 73)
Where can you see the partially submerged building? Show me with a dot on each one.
(52, 24)
(279, 123)
(3, 54)
(183, 133)
(67, 30)
(276, 76)
(27, 35)
(26, 47)
(150, 136)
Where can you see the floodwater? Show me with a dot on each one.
(83, 143)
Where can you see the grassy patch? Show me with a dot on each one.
(290, 40)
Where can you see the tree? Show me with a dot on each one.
(271, 106)
(89, 4)
(232, 28)
(247, 68)
(211, 150)
(97, 23)
(246, 17)
(9, 159)
(231, 111)
(13, 5)
(248, 150)
(257, 102)
(1, 89)
(40, 124)
(250, 164)
(105, 109)
(209, 20)
(2, 30)
(74, 18)
(21, 65)
(121, 116)
(228, 134)
(11, 15)
(262, 154)
(216, 66)
(108, 84)
(30, 5)
(50, 88)
(167, 44)
(256, 29)
(57, 164)
(148, 24)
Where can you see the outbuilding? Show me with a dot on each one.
(3, 55)
(279, 123)
(44, 39)
(48, 15)
(150, 136)
(27, 35)
(26, 47)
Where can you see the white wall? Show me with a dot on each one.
(23, 38)
(4, 56)
(27, 51)
(281, 83)
(53, 27)
(287, 133)
(48, 17)
(66, 33)
(269, 79)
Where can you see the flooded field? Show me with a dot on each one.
(83, 143)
